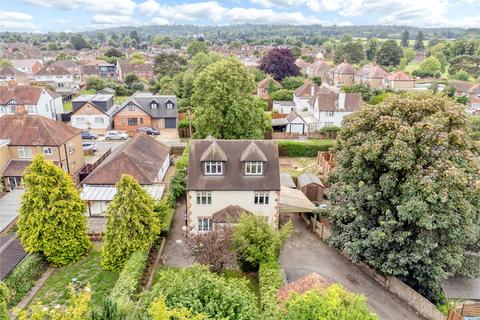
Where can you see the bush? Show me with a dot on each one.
(23, 277)
(129, 279)
(166, 212)
(329, 129)
(3, 301)
(178, 184)
(270, 280)
(308, 148)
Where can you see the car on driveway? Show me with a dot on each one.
(116, 135)
(87, 135)
(87, 146)
(149, 131)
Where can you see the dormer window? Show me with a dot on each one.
(169, 105)
(131, 107)
(213, 168)
(253, 168)
(153, 106)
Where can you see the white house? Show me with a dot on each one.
(34, 100)
(285, 107)
(304, 95)
(227, 178)
(329, 108)
(92, 118)
(144, 158)
(28, 66)
(301, 122)
(58, 77)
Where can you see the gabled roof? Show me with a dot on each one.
(475, 89)
(320, 65)
(89, 70)
(23, 94)
(302, 64)
(305, 91)
(141, 157)
(253, 153)
(34, 130)
(463, 86)
(92, 105)
(10, 71)
(144, 99)
(53, 71)
(214, 153)
(229, 214)
(399, 76)
(372, 71)
(266, 82)
(308, 178)
(311, 281)
(344, 68)
(24, 63)
(65, 64)
(286, 180)
(233, 178)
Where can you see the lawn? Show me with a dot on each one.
(67, 106)
(297, 166)
(87, 270)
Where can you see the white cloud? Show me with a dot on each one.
(105, 20)
(58, 21)
(16, 21)
(121, 7)
(149, 7)
(159, 21)
(252, 15)
(210, 10)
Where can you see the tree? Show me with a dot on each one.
(255, 241)
(137, 58)
(317, 81)
(389, 54)
(350, 51)
(280, 63)
(365, 91)
(52, 216)
(405, 38)
(328, 46)
(372, 48)
(429, 66)
(5, 63)
(202, 60)
(132, 223)
(196, 47)
(292, 83)
(167, 64)
(333, 303)
(419, 41)
(223, 102)
(3, 302)
(78, 42)
(159, 311)
(461, 75)
(95, 83)
(131, 78)
(470, 64)
(114, 52)
(281, 95)
(405, 190)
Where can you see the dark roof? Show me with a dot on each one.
(89, 70)
(23, 94)
(253, 153)
(94, 106)
(11, 253)
(34, 130)
(214, 153)
(230, 214)
(141, 157)
(53, 71)
(233, 178)
(8, 71)
(144, 99)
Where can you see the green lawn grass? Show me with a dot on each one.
(87, 270)
(67, 106)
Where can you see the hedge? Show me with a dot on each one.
(270, 280)
(178, 183)
(23, 277)
(166, 211)
(130, 276)
(307, 148)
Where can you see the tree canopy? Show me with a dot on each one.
(280, 63)
(389, 54)
(351, 51)
(405, 190)
(168, 64)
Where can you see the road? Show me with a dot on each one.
(305, 253)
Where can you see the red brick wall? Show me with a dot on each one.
(126, 114)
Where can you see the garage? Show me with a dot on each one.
(297, 128)
(170, 123)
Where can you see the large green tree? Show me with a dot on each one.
(419, 41)
(405, 190)
(52, 217)
(405, 38)
(132, 223)
(224, 106)
(168, 64)
(351, 51)
(196, 47)
(389, 54)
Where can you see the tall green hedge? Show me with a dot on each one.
(130, 276)
(307, 148)
(23, 277)
(178, 182)
(270, 281)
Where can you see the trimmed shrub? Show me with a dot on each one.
(23, 277)
(166, 212)
(270, 281)
(308, 148)
(178, 183)
(129, 279)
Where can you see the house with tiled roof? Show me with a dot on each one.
(143, 158)
(399, 81)
(319, 68)
(227, 178)
(263, 87)
(57, 77)
(371, 75)
(30, 99)
(28, 135)
(69, 65)
(342, 75)
(303, 95)
(141, 70)
(28, 66)
(12, 76)
(470, 90)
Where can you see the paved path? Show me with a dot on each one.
(9, 205)
(176, 252)
(305, 253)
(465, 289)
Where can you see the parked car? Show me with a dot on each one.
(87, 146)
(87, 135)
(149, 131)
(116, 135)
(321, 205)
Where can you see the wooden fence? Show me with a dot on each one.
(467, 310)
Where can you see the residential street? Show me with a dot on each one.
(304, 253)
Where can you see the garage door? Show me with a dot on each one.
(297, 128)
(170, 123)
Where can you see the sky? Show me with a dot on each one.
(82, 15)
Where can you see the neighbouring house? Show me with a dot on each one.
(284, 107)
(93, 118)
(304, 95)
(145, 109)
(471, 90)
(301, 122)
(57, 77)
(302, 65)
(318, 69)
(101, 100)
(250, 61)
(69, 65)
(399, 81)
(311, 186)
(312, 281)
(265, 85)
(227, 178)
(142, 157)
(28, 66)
(33, 100)
(29, 135)
(141, 70)
(107, 70)
(88, 71)
(371, 75)
(107, 91)
(420, 55)
(279, 124)
(342, 75)
(11, 76)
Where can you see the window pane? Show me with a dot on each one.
(266, 198)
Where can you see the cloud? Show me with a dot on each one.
(209, 10)
(58, 21)
(16, 21)
(120, 7)
(105, 20)
(252, 15)
(159, 21)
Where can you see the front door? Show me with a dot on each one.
(14, 182)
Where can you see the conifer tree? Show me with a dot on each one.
(132, 223)
(52, 217)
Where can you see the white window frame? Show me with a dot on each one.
(169, 105)
(47, 151)
(204, 198)
(31, 109)
(253, 168)
(153, 106)
(23, 154)
(71, 148)
(205, 224)
(213, 168)
(99, 120)
(330, 113)
(131, 107)
(261, 198)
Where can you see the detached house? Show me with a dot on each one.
(33, 100)
(57, 77)
(28, 135)
(371, 75)
(471, 90)
(145, 109)
(11, 76)
(70, 66)
(304, 95)
(141, 70)
(318, 69)
(342, 75)
(142, 157)
(399, 81)
(264, 85)
(28, 66)
(93, 112)
(227, 178)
